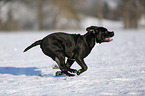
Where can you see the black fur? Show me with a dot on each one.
(33, 45)
(73, 46)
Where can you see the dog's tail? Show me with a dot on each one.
(33, 45)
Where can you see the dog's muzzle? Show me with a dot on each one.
(111, 34)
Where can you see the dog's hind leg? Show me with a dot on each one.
(60, 59)
(69, 64)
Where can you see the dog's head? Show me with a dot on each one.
(101, 34)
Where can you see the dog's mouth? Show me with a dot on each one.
(108, 39)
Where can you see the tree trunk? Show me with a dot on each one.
(99, 11)
(40, 14)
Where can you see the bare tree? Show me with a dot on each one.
(40, 14)
(63, 9)
(9, 24)
(131, 13)
(99, 9)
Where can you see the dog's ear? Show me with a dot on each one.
(92, 29)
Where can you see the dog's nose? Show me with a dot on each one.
(112, 33)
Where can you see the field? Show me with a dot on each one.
(114, 69)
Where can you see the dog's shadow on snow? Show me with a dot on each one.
(28, 71)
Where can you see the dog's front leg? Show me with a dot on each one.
(83, 65)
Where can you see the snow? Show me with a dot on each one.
(115, 69)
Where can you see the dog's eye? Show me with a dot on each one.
(106, 32)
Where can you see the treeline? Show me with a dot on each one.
(66, 14)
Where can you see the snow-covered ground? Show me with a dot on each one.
(115, 69)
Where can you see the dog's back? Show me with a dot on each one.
(60, 42)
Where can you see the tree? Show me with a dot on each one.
(131, 10)
(40, 14)
(64, 12)
(99, 10)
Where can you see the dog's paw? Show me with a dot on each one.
(73, 70)
(79, 72)
(58, 73)
(65, 72)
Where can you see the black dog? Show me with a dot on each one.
(73, 46)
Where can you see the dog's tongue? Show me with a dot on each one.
(108, 39)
